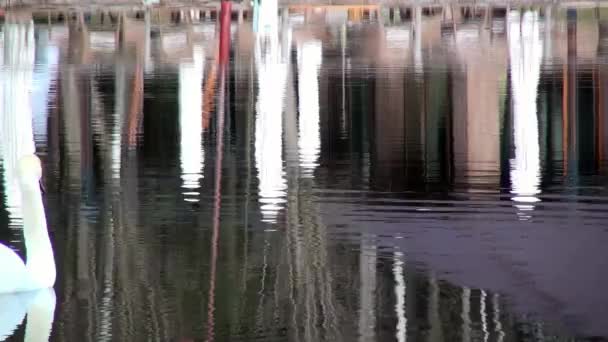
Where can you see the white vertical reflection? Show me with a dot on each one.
(148, 64)
(525, 52)
(16, 117)
(418, 39)
(400, 290)
(484, 316)
(367, 289)
(191, 123)
(547, 28)
(309, 141)
(272, 77)
(268, 20)
(45, 73)
(120, 84)
(496, 315)
(465, 315)
(2, 44)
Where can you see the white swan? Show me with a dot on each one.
(39, 270)
(24, 288)
(40, 307)
(22, 169)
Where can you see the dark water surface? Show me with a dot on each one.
(344, 175)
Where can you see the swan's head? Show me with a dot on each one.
(29, 171)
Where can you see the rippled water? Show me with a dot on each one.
(342, 174)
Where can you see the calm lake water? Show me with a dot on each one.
(342, 174)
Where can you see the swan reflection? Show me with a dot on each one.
(525, 52)
(191, 123)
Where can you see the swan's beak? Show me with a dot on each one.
(42, 189)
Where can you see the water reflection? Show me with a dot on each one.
(525, 52)
(272, 68)
(400, 291)
(44, 83)
(309, 142)
(191, 123)
(371, 170)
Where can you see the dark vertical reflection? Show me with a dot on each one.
(601, 89)
(570, 100)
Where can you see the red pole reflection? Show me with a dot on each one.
(226, 14)
(224, 55)
(137, 104)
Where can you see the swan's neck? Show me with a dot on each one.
(40, 261)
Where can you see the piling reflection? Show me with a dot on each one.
(309, 143)
(272, 69)
(190, 109)
(345, 173)
(400, 291)
(525, 55)
(44, 84)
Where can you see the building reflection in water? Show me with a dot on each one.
(418, 118)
